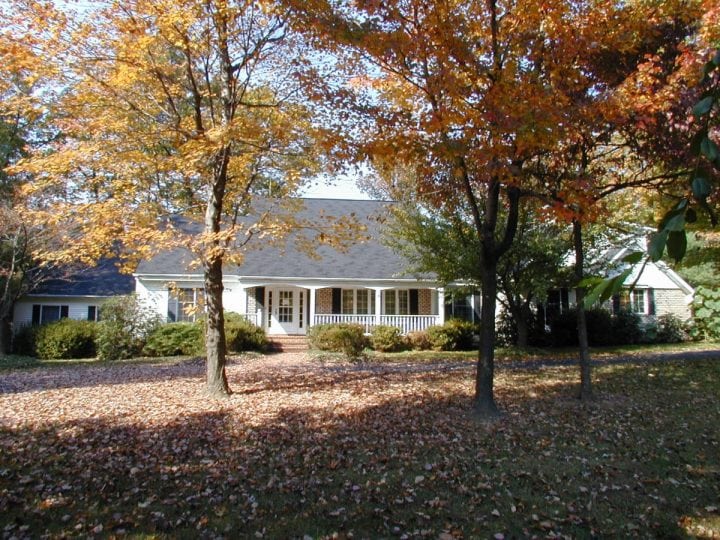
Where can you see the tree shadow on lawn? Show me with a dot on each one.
(413, 463)
(83, 376)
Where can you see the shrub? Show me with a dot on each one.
(670, 329)
(706, 313)
(345, 338)
(418, 341)
(454, 335)
(24, 341)
(124, 327)
(603, 328)
(386, 338)
(65, 339)
(242, 335)
(174, 339)
(626, 328)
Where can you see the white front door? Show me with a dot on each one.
(285, 306)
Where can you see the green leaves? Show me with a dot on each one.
(604, 289)
(701, 188)
(703, 106)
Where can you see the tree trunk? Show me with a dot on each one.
(484, 402)
(5, 335)
(585, 392)
(523, 330)
(215, 347)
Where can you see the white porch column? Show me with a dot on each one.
(441, 305)
(378, 306)
(311, 318)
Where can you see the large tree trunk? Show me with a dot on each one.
(215, 347)
(585, 392)
(484, 402)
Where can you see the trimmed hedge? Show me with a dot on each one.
(345, 338)
(386, 338)
(418, 341)
(242, 335)
(454, 335)
(173, 339)
(66, 339)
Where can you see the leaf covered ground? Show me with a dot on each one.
(308, 450)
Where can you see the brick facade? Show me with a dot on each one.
(671, 301)
(323, 301)
(425, 302)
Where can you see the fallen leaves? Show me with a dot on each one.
(361, 451)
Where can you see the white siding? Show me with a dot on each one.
(77, 307)
(153, 294)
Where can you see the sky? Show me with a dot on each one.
(344, 187)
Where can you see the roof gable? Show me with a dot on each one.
(366, 260)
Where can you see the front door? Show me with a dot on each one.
(284, 310)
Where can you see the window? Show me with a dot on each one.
(358, 302)
(93, 313)
(403, 303)
(44, 314)
(348, 301)
(363, 301)
(301, 299)
(397, 302)
(186, 305)
(634, 301)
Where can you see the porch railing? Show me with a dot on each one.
(368, 321)
(410, 323)
(406, 323)
(254, 318)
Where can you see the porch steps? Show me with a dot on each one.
(287, 343)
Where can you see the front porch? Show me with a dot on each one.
(291, 310)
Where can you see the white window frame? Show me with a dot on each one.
(181, 315)
(400, 302)
(370, 298)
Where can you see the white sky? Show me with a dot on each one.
(344, 187)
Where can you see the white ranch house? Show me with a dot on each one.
(285, 290)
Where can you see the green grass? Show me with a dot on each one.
(404, 457)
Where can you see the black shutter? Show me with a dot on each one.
(616, 304)
(336, 301)
(259, 297)
(414, 301)
(651, 301)
(36, 314)
(63, 312)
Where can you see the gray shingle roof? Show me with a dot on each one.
(369, 259)
(104, 279)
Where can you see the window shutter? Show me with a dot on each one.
(414, 296)
(336, 300)
(36, 314)
(616, 304)
(651, 301)
(260, 297)
(63, 312)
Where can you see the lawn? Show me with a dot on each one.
(363, 451)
